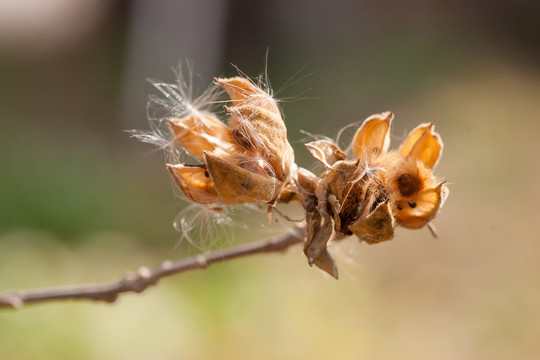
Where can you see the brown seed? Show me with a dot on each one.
(408, 184)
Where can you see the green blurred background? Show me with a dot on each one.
(80, 201)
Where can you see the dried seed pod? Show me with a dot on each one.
(418, 210)
(418, 194)
(248, 161)
(237, 185)
(378, 190)
(262, 133)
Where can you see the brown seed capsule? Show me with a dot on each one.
(421, 208)
(248, 161)
(369, 196)
(237, 185)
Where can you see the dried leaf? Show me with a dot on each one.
(321, 232)
(317, 244)
(326, 263)
(318, 233)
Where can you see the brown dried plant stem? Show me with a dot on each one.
(144, 277)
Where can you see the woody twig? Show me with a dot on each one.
(140, 280)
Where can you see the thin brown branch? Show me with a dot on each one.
(139, 280)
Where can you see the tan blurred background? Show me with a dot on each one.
(80, 201)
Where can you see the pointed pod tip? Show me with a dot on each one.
(332, 271)
(387, 116)
(439, 185)
(433, 230)
(176, 123)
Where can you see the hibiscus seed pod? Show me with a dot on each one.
(247, 161)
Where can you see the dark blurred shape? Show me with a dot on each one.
(38, 29)
(162, 34)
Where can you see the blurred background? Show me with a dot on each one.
(81, 201)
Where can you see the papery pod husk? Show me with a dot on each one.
(358, 203)
(262, 132)
(199, 132)
(377, 226)
(343, 182)
(307, 181)
(427, 204)
(195, 183)
(326, 152)
(236, 185)
(317, 240)
(244, 92)
(373, 136)
(319, 230)
(257, 124)
(423, 144)
(310, 192)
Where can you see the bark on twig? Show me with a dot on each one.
(139, 280)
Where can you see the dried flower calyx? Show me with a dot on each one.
(247, 161)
